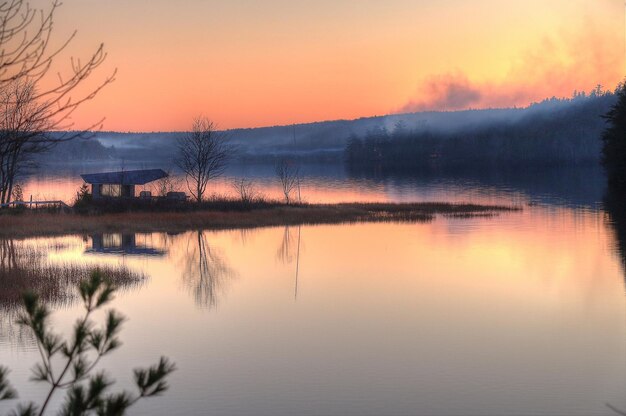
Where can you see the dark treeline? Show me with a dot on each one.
(554, 132)
(78, 149)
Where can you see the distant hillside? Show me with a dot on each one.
(576, 121)
(79, 149)
(555, 132)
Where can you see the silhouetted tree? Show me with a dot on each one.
(27, 54)
(614, 141)
(288, 174)
(166, 184)
(23, 127)
(202, 155)
(29, 112)
(246, 191)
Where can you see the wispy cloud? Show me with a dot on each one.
(555, 67)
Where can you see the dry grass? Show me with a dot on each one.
(56, 283)
(46, 224)
(24, 267)
(27, 268)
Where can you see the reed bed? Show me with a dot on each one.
(57, 283)
(24, 268)
(228, 215)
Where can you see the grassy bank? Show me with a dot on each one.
(30, 224)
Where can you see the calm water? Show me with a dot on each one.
(332, 183)
(520, 314)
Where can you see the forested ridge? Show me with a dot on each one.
(553, 132)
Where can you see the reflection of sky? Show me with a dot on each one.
(518, 314)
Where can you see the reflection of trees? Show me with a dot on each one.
(20, 267)
(288, 249)
(245, 235)
(205, 270)
(8, 257)
(615, 207)
(10, 265)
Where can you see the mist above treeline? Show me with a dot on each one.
(555, 131)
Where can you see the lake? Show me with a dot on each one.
(523, 313)
(331, 183)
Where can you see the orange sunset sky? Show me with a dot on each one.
(246, 63)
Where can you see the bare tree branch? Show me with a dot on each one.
(288, 173)
(32, 118)
(202, 156)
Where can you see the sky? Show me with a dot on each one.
(246, 63)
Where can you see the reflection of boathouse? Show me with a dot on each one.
(122, 244)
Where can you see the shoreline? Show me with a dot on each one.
(40, 224)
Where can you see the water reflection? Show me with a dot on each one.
(23, 267)
(288, 250)
(615, 207)
(205, 270)
(8, 255)
(453, 316)
(27, 266)
(327, 183)
(119, 244)
(244, 235)
(581, 186)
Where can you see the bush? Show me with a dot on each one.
(83, 199)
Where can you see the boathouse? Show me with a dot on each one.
(121, 184)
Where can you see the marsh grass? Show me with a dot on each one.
(55, 282)
(469, 215)
(232, 214)
(24, 268)
(213, 202)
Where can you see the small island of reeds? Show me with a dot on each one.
(222, 213)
